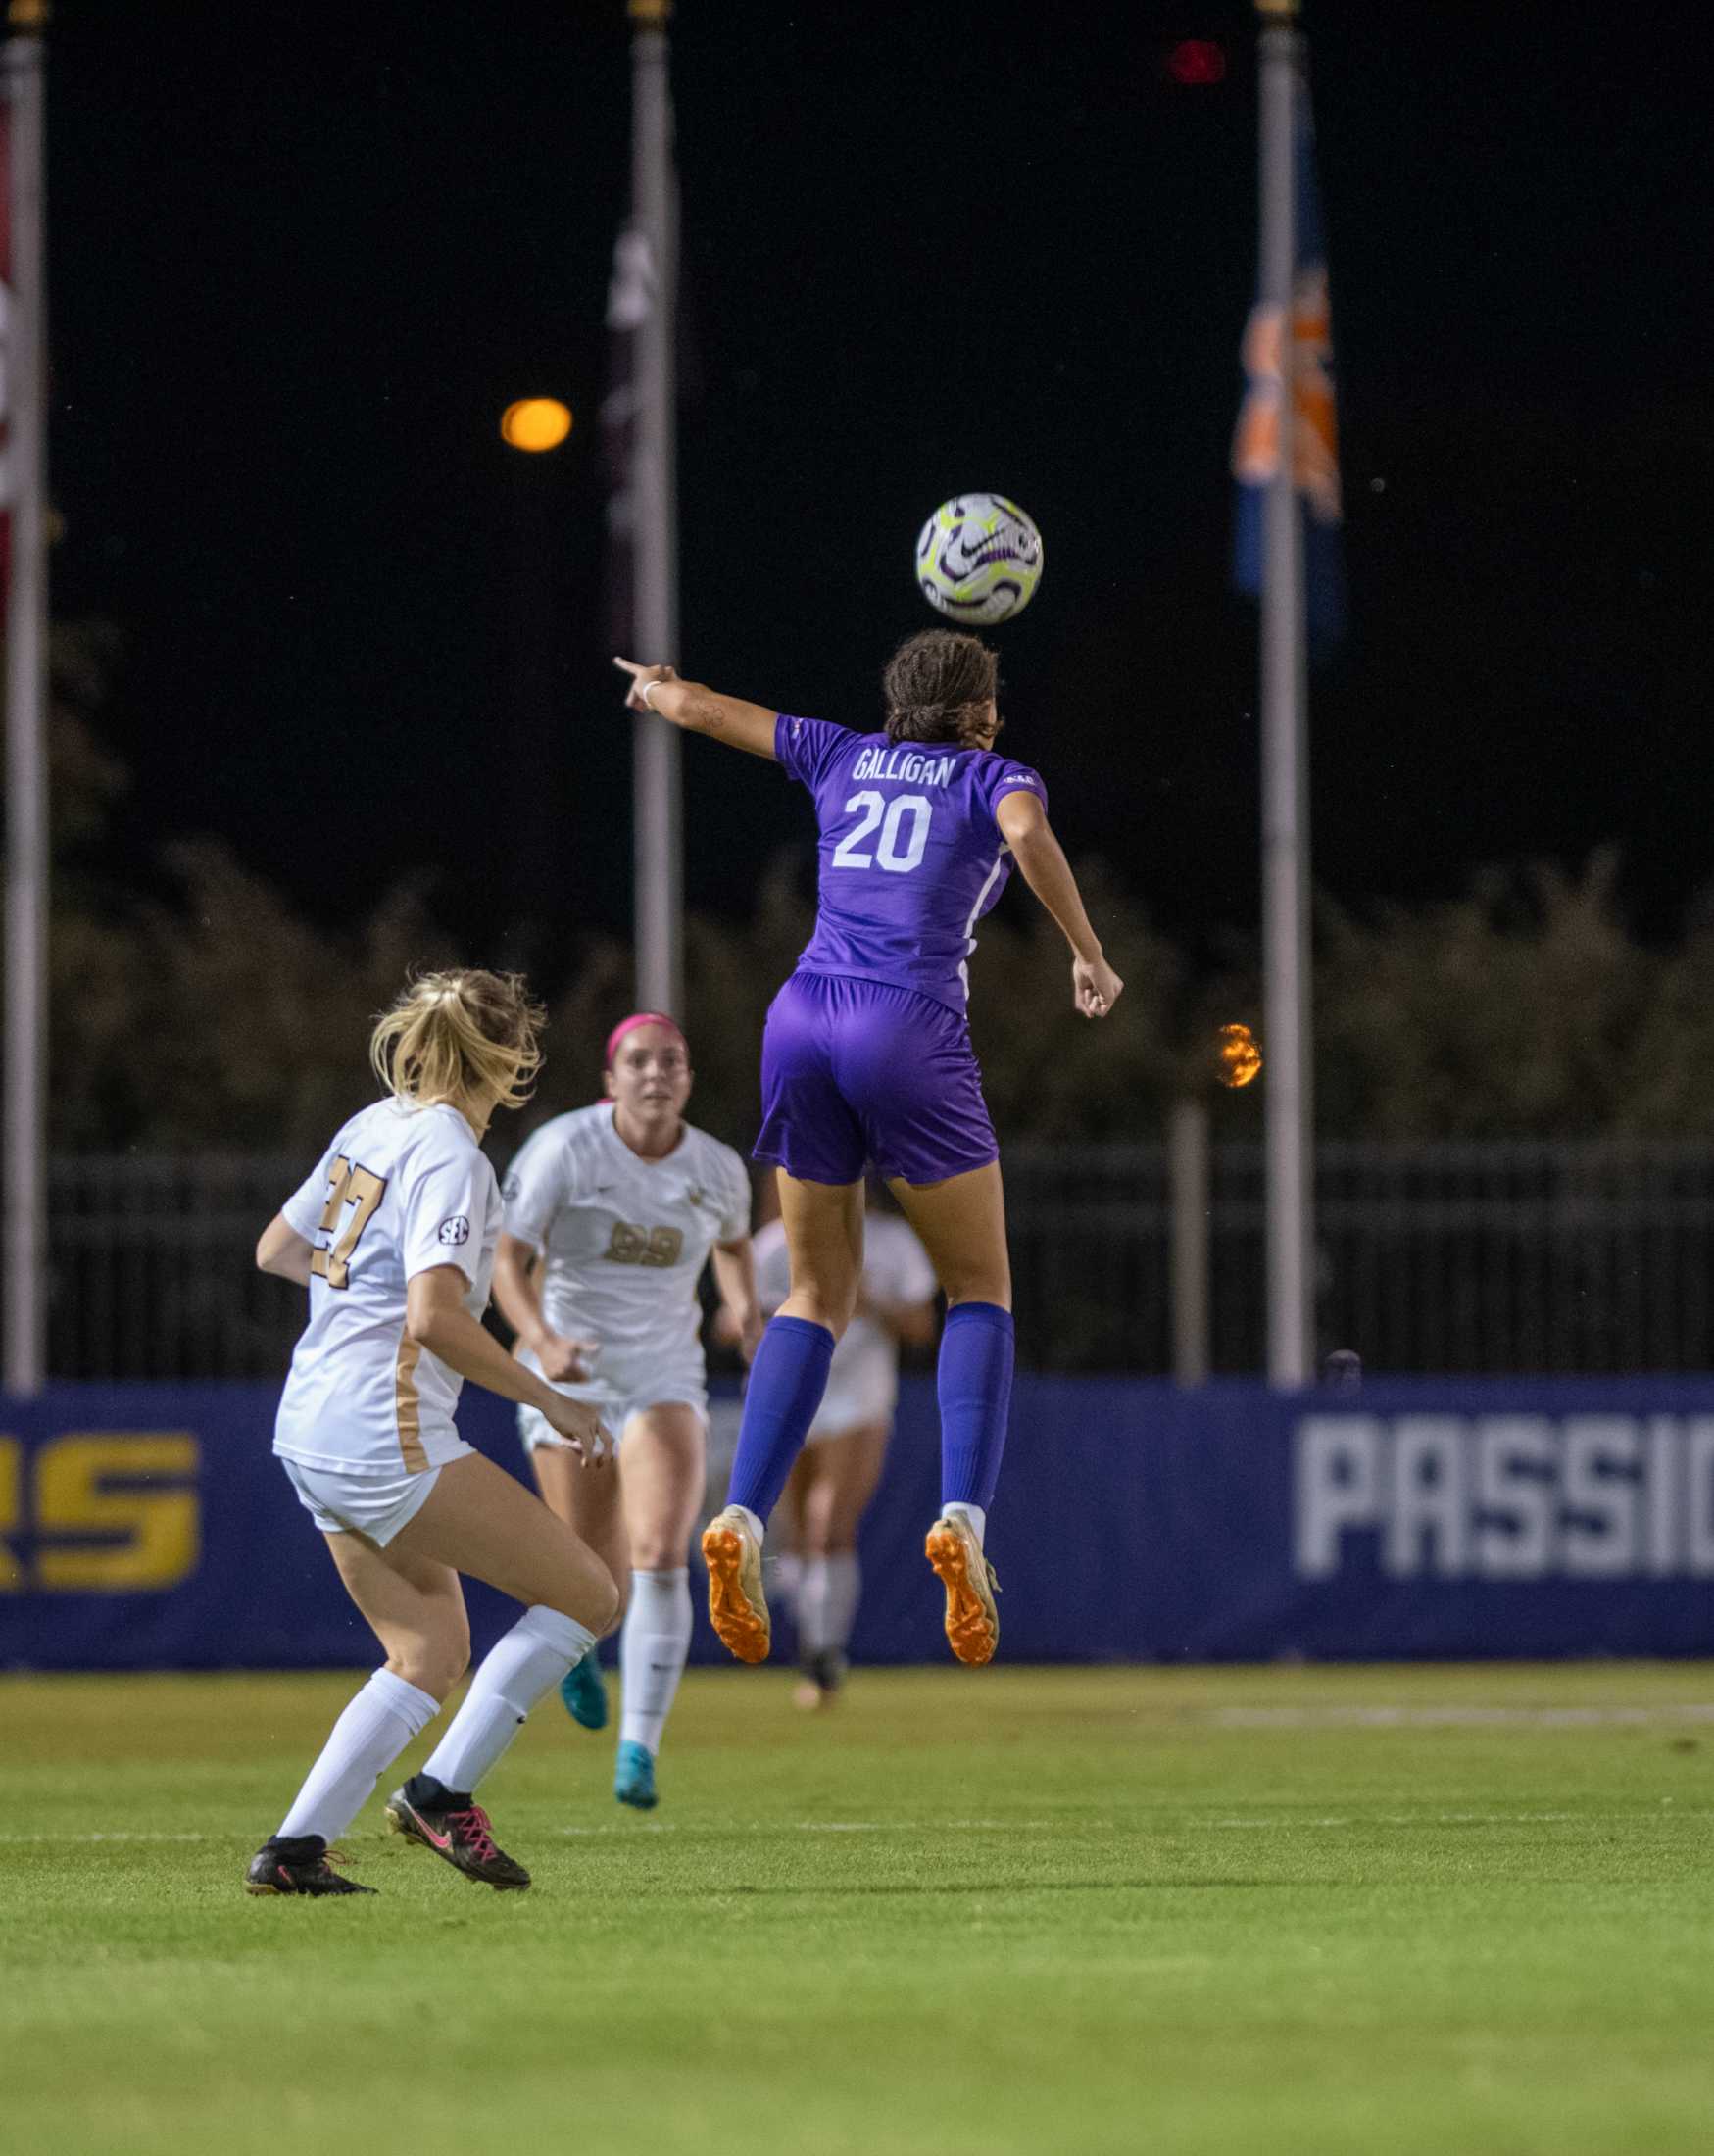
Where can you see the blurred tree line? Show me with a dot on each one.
(194, 1007)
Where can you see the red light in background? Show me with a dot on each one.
(1195, 63)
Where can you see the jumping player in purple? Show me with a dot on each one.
(867, 1058)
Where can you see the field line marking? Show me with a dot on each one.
(826, 1827)
(1388, 1717)
(1156, 1822)
(83, 1841)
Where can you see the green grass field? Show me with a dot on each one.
(1012, 1910)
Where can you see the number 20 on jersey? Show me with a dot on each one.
(903, 824)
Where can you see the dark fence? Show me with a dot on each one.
(1465, 1259)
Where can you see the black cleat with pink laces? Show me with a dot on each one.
(297, 1865)
(455, 1827)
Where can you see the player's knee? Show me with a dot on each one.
(657, 1552)
(598, 1599)
(434, 1665)
(830, 1305)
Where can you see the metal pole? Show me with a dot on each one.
(1290, 1112)
(27, 796)
(1186, 1167)
(656, 775)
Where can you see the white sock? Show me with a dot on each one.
(366, 1738)
(828, 1600)
(516, 1670)
(652, 1646)
(785, 1580)
(752, 1520)
(974, 1513)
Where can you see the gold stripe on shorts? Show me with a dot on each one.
(406, 1406)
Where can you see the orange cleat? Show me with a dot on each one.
(737, 1605)
(972, 1621)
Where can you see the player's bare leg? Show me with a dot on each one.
(479, 1520)
(589, 1505)
(824, 1232)
(840, 1474)
(415, 1605)
(962, 1226)
(416, 1608)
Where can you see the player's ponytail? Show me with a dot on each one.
(458, 1035)
(938, 686)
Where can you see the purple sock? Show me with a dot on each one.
(787, 1380)
(975, 1395)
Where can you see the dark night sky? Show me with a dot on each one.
(294, 281)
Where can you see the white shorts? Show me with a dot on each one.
(848, 1408)
(616, 1405)
(825, 1431)
(377, 1506)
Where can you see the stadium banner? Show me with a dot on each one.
(149, 1527)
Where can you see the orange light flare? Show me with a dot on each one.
(536, 424)
(1240, 1057)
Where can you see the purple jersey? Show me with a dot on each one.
(911, 857)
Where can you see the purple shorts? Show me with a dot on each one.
(855, 1073)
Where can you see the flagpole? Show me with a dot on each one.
(657, 784)
(1290, 1111)
(27, 626)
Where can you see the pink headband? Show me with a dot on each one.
(630, 1026)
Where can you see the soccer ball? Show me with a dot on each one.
(978, 558)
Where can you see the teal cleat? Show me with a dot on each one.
(583, 1688)
(634, 1776)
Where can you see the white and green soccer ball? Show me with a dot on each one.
(978, 558)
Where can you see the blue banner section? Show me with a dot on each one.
(146, 1527)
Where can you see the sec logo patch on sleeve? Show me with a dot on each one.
(455, 1231)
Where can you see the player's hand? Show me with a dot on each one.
(750, 1326)
(1095, 987)
(566, 1361)
(580, 1424)
(641, 677)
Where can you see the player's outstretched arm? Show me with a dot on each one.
(698, 709)
(1040, 859)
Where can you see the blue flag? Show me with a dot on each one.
(1256, 447)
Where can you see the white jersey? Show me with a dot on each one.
(624, 1239)
(400, 1191)
(862, 1383)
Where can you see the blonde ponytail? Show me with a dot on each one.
(460, 1036)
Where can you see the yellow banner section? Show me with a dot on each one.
(100, 1512)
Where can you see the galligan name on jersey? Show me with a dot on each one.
(908, 764)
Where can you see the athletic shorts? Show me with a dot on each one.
(373, 1506)
(858, 1402)
(825, 1429)
(858, 1074)
(616, 1404)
